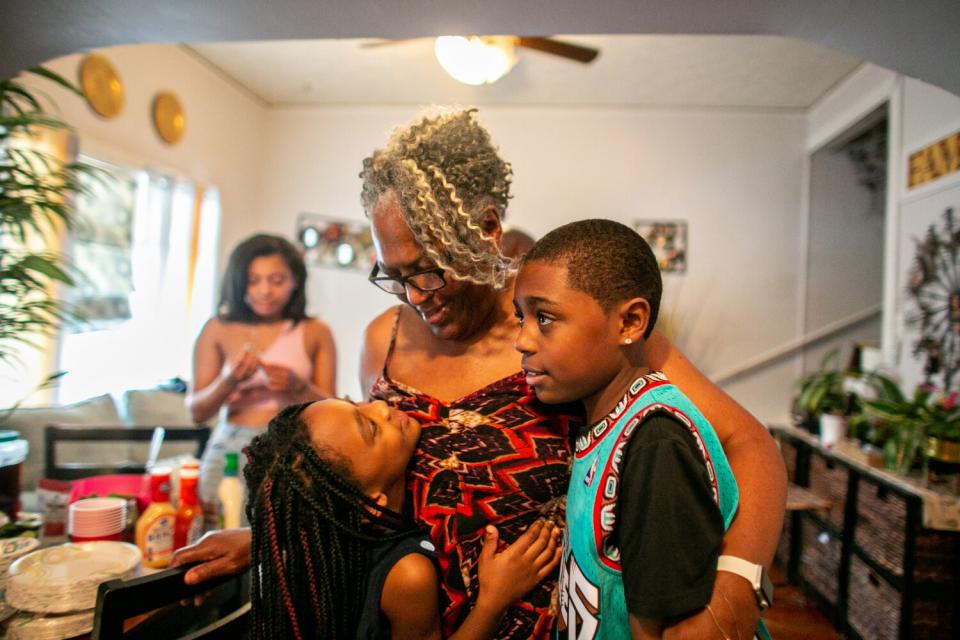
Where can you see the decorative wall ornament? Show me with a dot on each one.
(668, 239)
(868, 153)
(336, 242)
(934, 289)
(169, 119)
(101, 85)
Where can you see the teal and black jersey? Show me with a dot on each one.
(592, 600)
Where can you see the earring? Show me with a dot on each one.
(628, 341)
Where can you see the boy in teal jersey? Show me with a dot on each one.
(651, 492)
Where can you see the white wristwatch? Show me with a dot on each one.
(755, 574)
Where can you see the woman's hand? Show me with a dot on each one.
(506, 576)
(242, 366)
(280, 378)
(219, 553)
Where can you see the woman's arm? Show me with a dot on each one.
(373, 353)
(761, 480)
(324, 383)
(212, 384)
(752, 452)
(219, 553)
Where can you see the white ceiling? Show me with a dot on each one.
(632, 70)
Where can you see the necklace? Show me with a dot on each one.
(261, 335)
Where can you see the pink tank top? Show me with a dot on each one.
(287, 350)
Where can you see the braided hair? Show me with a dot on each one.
(311, 523)
(444, 171)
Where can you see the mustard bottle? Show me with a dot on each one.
(156, 526)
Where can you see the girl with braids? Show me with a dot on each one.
(489, 452)
(332, 554)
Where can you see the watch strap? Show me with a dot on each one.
(755, 574)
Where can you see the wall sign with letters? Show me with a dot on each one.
(935, 161)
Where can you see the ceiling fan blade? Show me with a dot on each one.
(559, 48)
(375, 44)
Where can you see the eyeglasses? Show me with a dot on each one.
(426, 280)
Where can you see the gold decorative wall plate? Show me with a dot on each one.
(101, 86)
(168, 117)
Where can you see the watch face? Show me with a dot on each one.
(766, 590)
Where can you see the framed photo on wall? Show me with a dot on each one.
(668, 239)
(335, 242)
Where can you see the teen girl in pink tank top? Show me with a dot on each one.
(259, 354)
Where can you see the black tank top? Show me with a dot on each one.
(380, 560)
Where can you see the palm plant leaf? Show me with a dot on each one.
(57, 78)
(36, 190)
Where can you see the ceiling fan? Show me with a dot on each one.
(484, 59)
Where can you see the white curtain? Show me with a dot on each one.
(175, 232)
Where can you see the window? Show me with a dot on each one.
(145, 244)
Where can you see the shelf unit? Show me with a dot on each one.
(867, 559)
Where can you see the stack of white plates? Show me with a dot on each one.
(10, 550)
(64, 580)
(37, 626)
(96, 517)
(13, 548)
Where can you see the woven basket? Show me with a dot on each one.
(881, 525)
(830, 483)
(874, 609)
(933, 619)
(789, 452)
(938, 556)
(783, 546)
(820, 560)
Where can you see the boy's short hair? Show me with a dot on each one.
(608, 261)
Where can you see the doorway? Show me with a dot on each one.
(843, 297)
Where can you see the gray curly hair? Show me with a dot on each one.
(444, 170)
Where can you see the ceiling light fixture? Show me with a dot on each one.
(475, 60)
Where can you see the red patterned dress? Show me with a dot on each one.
(496, 456)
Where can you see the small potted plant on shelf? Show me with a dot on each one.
(927, 422)
(942, 449)
(821, 398)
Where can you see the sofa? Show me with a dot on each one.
(139, 407)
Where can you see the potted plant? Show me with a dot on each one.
(943, 433)
(924, 421)
(821, 398)
(864, 425)
(36, 190)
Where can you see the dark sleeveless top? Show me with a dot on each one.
(496, 456)
(380, 560)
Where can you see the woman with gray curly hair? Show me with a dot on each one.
(489, 452)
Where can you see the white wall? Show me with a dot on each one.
(223, 141)
(222, 145)
(734, 176)
(929, 114)
(920, 114)
(844, 265)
